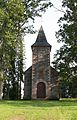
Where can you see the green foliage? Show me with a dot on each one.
(66, 57)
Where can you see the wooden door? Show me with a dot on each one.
(41, 90)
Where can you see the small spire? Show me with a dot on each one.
(41, 35)
(41, 28)
(41, 39)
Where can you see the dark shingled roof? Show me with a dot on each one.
(41, 39)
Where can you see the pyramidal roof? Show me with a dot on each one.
(41, 39)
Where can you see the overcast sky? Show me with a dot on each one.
(50, 26)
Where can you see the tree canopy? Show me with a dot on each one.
(66, 57)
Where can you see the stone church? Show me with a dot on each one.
(41, 80)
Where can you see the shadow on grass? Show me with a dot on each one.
(38, 103)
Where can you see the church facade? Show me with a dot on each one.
(41, 80)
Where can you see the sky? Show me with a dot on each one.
(49, 22)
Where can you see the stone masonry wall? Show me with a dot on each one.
(28, 84)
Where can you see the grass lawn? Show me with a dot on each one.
(38, 110)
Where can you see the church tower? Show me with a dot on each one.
(41, 80)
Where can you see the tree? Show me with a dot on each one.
(14, 22)
(66, 57)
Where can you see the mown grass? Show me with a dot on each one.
(38, 110)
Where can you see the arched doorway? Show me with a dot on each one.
(41, 90)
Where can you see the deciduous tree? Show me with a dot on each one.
(66, 56)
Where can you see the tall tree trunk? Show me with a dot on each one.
(1, 89)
